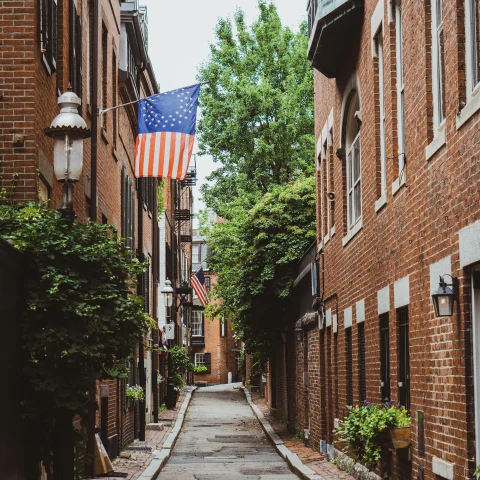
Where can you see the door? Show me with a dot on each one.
(148, 390)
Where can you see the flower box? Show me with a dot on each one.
(400, 437)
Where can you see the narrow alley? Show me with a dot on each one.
(222, 440)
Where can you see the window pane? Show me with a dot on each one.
(199, 359)
(356, 161)
(441, 73)
(358, 201)
(350, 205)
(349, 168)
(197, 323)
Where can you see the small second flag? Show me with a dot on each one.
(166, 133)
(197, 281)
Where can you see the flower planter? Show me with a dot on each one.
(400, 437)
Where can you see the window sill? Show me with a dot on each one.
(320, 247)
(105, 136)
(467, 112)
(437, 143)
(381, 202)
(115, 154)
(326, 238)
(332, 231)
(398, 183)
(352, 232)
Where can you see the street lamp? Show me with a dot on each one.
(68, 129)
(444, 298)
(299, 332)
(168, 294)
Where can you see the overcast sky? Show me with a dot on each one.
(179, 35)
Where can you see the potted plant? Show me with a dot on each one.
(135, 393)
(200, 369)
(367, 429)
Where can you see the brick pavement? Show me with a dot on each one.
(139, 460)
(314, 460)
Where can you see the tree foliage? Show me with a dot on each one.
(82, 319)
(257, 111)
(258, 122)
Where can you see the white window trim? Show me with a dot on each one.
(400, 86)
(352, 232)
(381, 82)
(471, 49)
(351, 188)
(438, 118)
(197, 356)
(437, 143)
(197, 323)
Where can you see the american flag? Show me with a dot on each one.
(166, 133)
(197, 281)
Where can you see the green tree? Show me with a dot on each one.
(258, 122)
(82, 319)
(257, 109)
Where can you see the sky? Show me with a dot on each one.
(179, 35)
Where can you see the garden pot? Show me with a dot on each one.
(400, 437)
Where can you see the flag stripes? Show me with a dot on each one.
(163, 154)
(199, 287)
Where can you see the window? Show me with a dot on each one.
(114, 100)
(472, 44)
(362, 373)
(196, 254)
(207, 283)
(404, 358)
(75, 47)
(89, 38)
(197, 323)
(43, 190)
(438, 63)
(354, 184)
(128, 210)
(223, 327)
(400, 86)
(381, 107)
(104, 74)
(199, 359)
(331, 186)
(384, 358)
(49, 33)
(325, 209)
(146, 286)
(349, 364)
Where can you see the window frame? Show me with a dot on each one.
(381, 97)
(353, 184)
(400, 86)
(385, 384)
(349, 365)
(199, 356)
(438, 64)
(471, 47)
(403, 357)
(194, 323)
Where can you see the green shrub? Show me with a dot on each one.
(136, 392)
(364, 430)
(200, 369)
(178, 382)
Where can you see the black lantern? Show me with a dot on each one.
(444, 298)
(299, 332)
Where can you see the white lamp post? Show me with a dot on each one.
(68, 129)
(168, 292)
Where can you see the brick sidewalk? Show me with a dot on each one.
(139, 460)
(314, 460)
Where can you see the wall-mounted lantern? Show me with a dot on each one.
(444, 298)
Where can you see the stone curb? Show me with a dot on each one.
(161, 457)
(292, 459)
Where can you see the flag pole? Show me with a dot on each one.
(101, 112)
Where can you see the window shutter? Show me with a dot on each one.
(361, 361)
(349, 364)
(53, 35)
(404, 367)
(122, 202)
(78, 57)
(203, 324)
(146, 291)
(385, 357)
(208, 362)
(44, 24)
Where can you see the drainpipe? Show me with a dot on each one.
(93, 210)
(156, 341)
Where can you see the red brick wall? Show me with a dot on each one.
(418, 226)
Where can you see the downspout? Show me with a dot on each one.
(154, 356)
(93, 210)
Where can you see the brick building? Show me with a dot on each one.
(100, 49)
(397, 126)
(213, 344)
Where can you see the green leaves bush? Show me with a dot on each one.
(364, 430)
(200, 369)
(136, 392)
(82, 319)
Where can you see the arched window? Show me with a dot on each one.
(353, 162)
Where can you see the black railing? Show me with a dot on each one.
(312, 13)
